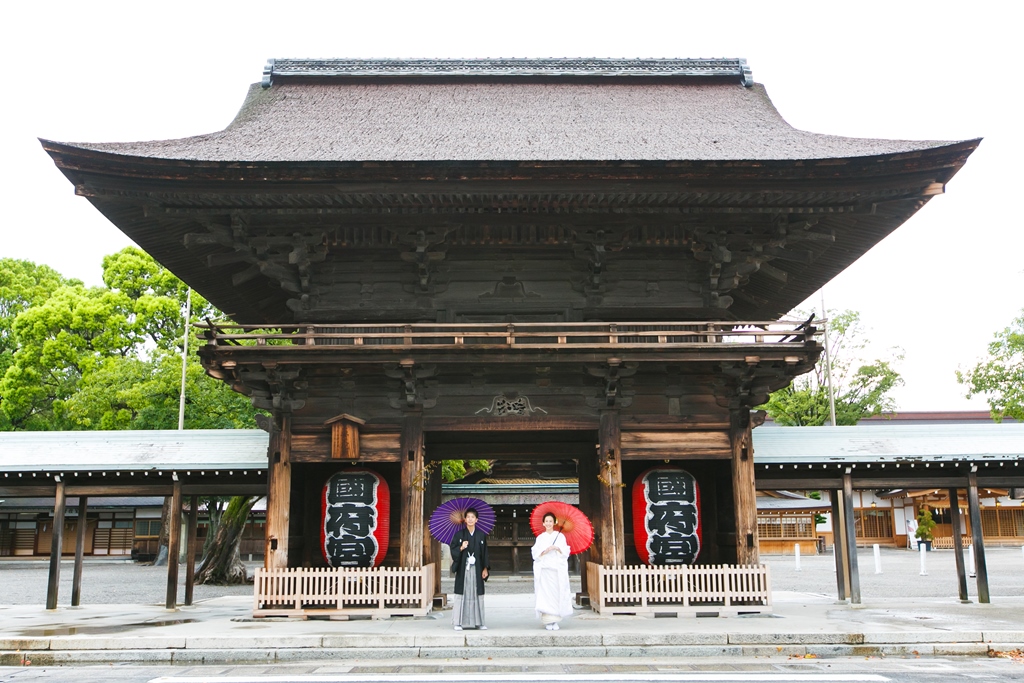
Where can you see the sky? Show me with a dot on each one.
(938, 288)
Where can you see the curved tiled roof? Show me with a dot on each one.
(362, 115)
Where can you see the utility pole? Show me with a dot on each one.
(828, 364)
(184, 358)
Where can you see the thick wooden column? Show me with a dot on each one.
(413, 484)
(173, 546)
(974, 510)
(279, 496)
(432, 548)
(586, 472)
(744, 493)
(83, 523)
(839, 544)
(609, 523)
(958, 544)
(850, 523)
(56, 545)
(190, 552)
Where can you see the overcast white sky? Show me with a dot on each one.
(939, 287)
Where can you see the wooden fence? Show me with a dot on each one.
(339, 593)
(684, 590)
(946, 542)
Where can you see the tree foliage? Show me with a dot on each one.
(861, 389)
(1000, 378)
(77, 357)
(453, 470)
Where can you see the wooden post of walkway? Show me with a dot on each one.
(974, 510)
(850, 522)
(279, 496)
(609, 466)
(173, 546)
(958, 544)
(414, 478)
(838, 544)
(744, 491)
(192, 546)
(83, 523)
(56, 545)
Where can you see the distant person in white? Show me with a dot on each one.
(551, 575)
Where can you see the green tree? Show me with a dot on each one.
(453, 470)
(23, 284)
(76, 357)
(1000, 378)
(106, 357)
(861, 389)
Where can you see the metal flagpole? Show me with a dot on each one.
(828, 364)
(184, 359)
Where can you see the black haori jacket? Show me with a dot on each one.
(478, 547)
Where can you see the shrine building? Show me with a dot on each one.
(574, 260)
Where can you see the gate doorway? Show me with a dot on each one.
(527, 468)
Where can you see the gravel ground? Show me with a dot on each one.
(112, 582)
(900, 575)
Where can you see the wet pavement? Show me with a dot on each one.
(900, 616)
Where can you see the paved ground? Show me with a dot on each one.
(912, 623)
(119, 582)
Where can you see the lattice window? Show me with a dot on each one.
(1004, 522)
(873, 523)
(785, 526)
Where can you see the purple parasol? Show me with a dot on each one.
(449, 517)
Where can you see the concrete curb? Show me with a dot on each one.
(57, 651)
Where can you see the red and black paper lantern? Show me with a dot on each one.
(356, 519)
(666, 516)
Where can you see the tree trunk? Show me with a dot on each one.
(214, 510)
(165, 529)
(222, 564)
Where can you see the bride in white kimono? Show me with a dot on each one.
(551, 575)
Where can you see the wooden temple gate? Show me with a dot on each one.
(400, 282)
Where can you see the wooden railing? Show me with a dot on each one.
(511, 335)
(379, 592)
(946, 542)
(685, 590)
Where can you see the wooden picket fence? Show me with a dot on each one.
(946, 542)
(684, 590)
(343, 592)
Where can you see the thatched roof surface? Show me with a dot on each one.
(361, 114)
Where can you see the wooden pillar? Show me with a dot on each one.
(839, 544)
(432, 548)
(83, 523)
(850, 523)
(958, 543)
(744, 493)
(586, 473)
(173, 546)
(413, 484)
(974, 510)
(56, 545)
(279, 496)
(193, 545)
(609, 466)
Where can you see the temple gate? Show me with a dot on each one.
(571, 259)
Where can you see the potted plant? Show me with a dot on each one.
(925, 528)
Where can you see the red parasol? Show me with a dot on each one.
(574, 525)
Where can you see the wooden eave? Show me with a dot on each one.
(855, 201)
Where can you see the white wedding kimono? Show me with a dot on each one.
(551, 577)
